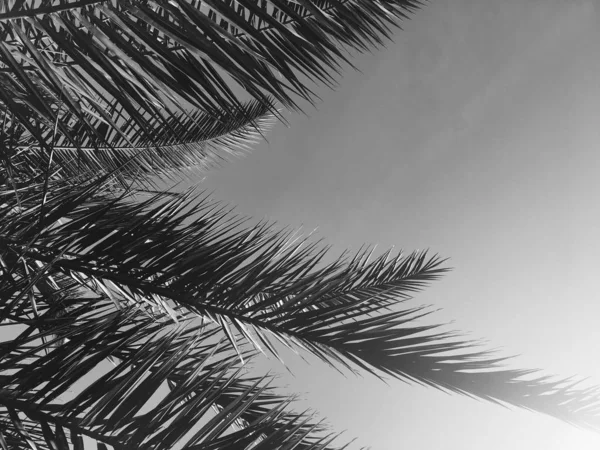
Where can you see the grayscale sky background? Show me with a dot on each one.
(476, 135)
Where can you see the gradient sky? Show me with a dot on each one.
(476, 135)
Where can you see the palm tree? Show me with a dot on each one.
(130, 313)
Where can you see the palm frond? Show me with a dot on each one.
(79, 60)
(258, 285)
(161, 390)
(195, 142)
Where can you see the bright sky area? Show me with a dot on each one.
(476, 135)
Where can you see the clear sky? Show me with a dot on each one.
(476, 135)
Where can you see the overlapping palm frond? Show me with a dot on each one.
(70, 66)
(191, 141)
(259, 286)
(167, 385)
(132, 317)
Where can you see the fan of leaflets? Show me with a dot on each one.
(169, 258)
(85, 71)
(190, 143)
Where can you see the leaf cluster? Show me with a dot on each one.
(132, 313)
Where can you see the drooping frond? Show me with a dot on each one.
(165, 385)
(258, 285)
(190, 141)
(138, 61)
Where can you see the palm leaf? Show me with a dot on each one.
(191, 141)
(160, 392)
(76, 60)
(257, 285)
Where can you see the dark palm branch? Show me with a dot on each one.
(183, 253)
(69, 66)
(167, 385)
(190, 141)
